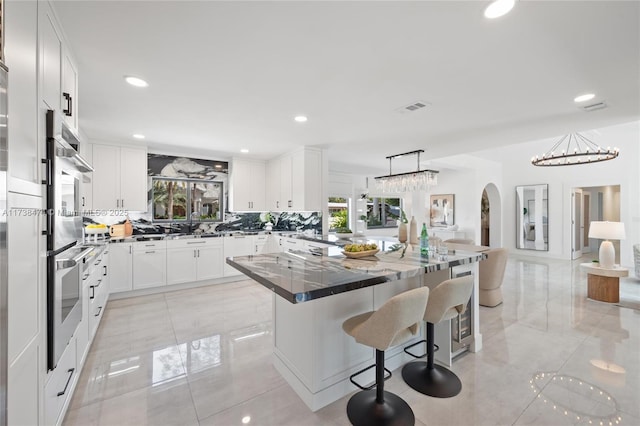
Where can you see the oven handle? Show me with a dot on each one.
(70, 263)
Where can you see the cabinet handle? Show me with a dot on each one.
(150, 252)
(99, 282)
(256, 248)
(98, 262)
(122, 202)
(70, 371)
(130, 249)
(117, 202)
(196, 242)
(277, 204)
(69, 108)
(93, 292)
(198, 252)
(194, 253)
(85, 276)
(99, 310)
(289, 203)
(104, 274)
(82, 201)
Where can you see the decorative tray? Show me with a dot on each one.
(359, 254)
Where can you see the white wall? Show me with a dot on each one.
(623, 171)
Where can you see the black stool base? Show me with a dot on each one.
(363, 410)
(438, 382)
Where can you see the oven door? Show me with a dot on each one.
(64, 307)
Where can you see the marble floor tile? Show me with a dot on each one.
(204, 356)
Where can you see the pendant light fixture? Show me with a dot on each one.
(574, 149)
(419, 180)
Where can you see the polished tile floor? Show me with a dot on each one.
(202, 356)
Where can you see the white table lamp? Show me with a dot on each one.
(607, 231)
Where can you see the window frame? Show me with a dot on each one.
(383, 219)
(188, 209)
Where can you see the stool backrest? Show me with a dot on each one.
(449, 299)
(403, 311)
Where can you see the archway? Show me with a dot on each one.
(491, 217)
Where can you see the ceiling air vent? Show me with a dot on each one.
(413, 107)
(594, 107)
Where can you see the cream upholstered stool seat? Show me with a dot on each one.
(446, 301)
(392, 323)
(490, 277)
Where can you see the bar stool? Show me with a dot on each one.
(446, 301)
(393, 322)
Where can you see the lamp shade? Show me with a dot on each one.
(607, 230)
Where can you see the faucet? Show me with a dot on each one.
(196, 214)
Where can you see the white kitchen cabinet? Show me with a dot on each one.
(149, 264)
(306, 180)
(210, 261)
(25, 308)
(119, 178)
(247, 185)
(69, 90)
(273, 185)
(120, 267)
(236, 245)
(301, 180)
(86, 190)
(98, 292)
(60, 384)
(50, 57)
(21, 34)
(181, 264)
(260, 243)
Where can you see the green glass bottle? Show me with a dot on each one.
(424, 241)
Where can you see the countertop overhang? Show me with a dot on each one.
(300, 276)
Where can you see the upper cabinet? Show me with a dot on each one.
(295, 181)
(119, 178)
(247, 186)
(21, 34)
(50, 58)
(69, 90)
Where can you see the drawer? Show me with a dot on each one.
(195, 243)
(150, 245)
(60, 384)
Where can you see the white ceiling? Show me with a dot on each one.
(231, 75)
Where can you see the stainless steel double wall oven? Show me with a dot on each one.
(65, 255)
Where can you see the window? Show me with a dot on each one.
(183, 200)
(338, 213)
(383, 212)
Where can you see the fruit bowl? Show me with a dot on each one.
(359, 254)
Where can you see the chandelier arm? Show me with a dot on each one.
(553, 148)
(590, 143)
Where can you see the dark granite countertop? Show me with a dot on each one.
(301, 276)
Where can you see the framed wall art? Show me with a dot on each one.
(442, 210)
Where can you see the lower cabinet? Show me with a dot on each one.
(121, 268)
(194, 260)
(149, 264)
(236, 245)
(59, 385)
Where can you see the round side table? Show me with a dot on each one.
(603, 284)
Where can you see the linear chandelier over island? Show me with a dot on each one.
(419, 180)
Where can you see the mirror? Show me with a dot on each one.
(532, 212)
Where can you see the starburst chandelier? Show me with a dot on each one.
(574, 149)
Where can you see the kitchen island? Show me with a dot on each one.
(313, 294)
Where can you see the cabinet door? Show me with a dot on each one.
(133, 179)
(241, 190)
(306, 180)
(51, 52)
(21, 57)
(149, 268)
(120, 267)
(69, 99)
(106, 177)
(86, 187)
(272, 188)
(257, 185)
(285, 183)
(181, 265)
(240, 245)
(210, 262)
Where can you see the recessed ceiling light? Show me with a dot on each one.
(135, 81)
(138, 136)
(498, 8)
(244, 150)
(300, 118)
(584, 98)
